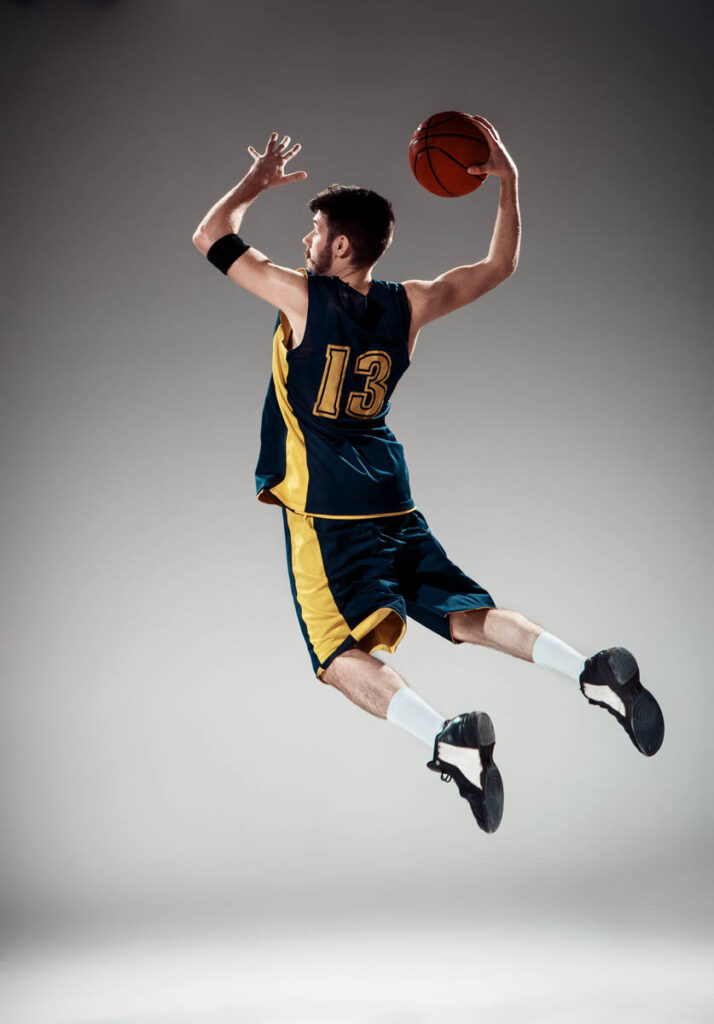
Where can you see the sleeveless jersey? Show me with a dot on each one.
(325, 448)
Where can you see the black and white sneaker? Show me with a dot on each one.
(463, 751)
(611, 680)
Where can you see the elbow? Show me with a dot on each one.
(200, 241)
(504, 270)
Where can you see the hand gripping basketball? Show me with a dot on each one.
(267, 169)
(452, 153)
(499, 161)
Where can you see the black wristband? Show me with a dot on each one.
(225, 251)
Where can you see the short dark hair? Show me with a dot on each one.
(364, 216)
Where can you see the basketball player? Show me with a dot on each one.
(360, 555)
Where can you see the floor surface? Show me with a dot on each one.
(381, 973)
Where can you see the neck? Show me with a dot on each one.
(359, 278)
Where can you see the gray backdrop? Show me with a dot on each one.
(166, 749)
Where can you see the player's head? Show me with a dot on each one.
(352, 228)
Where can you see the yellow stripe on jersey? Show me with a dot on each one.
(292, 490)
(326, 627)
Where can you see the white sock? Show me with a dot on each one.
(548, 650)
(408, 711)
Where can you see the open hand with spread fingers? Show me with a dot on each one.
(499, 162)
(268, 167)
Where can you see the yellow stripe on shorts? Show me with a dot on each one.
(326, 627)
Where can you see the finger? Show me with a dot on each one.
(284, 143)
(292, 152)
(487, 132)
(295, 176)
(477, 169)
(253, 152)
(271, 142)
(486, 124)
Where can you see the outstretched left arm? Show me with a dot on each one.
(431, 299)
(283, 288)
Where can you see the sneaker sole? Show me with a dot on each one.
(488, 810)
(645, 721)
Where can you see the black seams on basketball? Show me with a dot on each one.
(441, 150)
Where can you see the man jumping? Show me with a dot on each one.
(361, 557)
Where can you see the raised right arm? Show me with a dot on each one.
(281, 287)
(429, 300)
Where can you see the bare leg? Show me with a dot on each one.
(498, 628)
(364, 679)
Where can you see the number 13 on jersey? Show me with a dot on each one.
(375, 366)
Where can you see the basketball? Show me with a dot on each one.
(442, 148)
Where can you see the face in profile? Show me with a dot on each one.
(318, 247)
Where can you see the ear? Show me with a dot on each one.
(342, 246)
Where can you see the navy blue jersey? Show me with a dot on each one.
(325, 447)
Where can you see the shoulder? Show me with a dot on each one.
(415, 290)
(426, 299)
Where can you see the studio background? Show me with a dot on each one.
(168, 755)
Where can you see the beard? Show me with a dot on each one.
(323, 262)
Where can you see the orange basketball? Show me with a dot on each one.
(442, 148)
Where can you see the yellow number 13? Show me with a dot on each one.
(375, 366)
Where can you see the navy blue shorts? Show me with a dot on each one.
(355, 581)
